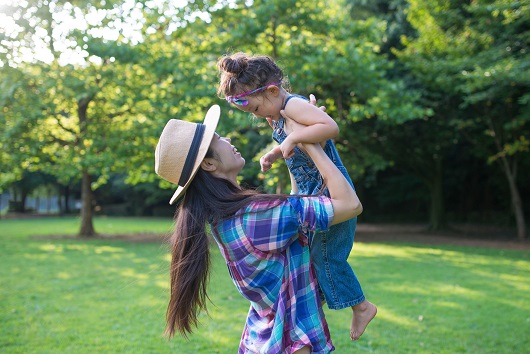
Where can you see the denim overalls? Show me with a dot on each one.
(329, 250)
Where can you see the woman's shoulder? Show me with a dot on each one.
(266, 206)
(282, 207)
(269, 214)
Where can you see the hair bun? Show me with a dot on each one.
(234, 64)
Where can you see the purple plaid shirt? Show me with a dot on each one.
(267, 254)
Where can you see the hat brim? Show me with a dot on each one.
(210, 121)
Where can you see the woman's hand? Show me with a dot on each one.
(313, 101)
(287, 147)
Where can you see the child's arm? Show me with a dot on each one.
(308, 124)
(269, 158)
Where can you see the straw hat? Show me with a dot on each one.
(182, 147)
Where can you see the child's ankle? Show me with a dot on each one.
(361, 306)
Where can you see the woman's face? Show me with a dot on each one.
(230, 161)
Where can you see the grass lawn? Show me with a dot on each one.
(64, 295)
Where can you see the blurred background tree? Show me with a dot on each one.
(474, 58)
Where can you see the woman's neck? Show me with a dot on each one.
(229, 177)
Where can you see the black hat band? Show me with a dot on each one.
(192, 155)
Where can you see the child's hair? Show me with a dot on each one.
(241, 72)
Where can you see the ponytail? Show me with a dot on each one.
(189, 273)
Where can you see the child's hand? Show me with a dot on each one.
(266, 162)
(269, 158)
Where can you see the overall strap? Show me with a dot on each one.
(291, 96)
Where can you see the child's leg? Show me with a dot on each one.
(363, 313)
(330, 252)
(341, 288)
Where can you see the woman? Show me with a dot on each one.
(263, 238)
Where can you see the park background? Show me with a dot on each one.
(432, 100)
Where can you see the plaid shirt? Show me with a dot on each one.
(267, 254)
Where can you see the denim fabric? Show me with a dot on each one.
(329, 250)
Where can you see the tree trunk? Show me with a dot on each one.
(87, 227)
(23, 199)
(60, 202)
(516, 200)
(437, 220)
(48, 201)
(66, 208)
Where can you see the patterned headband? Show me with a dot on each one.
(237, 98)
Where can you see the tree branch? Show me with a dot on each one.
(63, 127)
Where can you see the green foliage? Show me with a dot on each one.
(476, 57)
(171, 73)
(94, 97)
(478, 52)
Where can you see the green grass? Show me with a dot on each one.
(63, 295)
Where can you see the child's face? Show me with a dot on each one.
(266, 105)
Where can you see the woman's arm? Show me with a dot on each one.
(346, 203)
(294, 186)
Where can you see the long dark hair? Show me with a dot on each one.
(210, 200)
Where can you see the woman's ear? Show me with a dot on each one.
(273, 90)
(209, 164)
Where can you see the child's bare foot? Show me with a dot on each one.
(363, 313)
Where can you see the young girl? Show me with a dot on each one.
(263, 238)
(254, 84)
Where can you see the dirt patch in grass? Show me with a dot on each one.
(461, 235)
(144, 237)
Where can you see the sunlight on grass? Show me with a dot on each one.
(519, 282)
(457, 290)
(448, 305)
(132, 274)
(62, 226)
(68, 295)
(79, 247)
(107, 249)
(63, 275)
(386, 314)
(371, 250)
(164, 284)
(53, 248)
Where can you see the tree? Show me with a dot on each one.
(477, 53)
(325, 53)
(71, 119)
